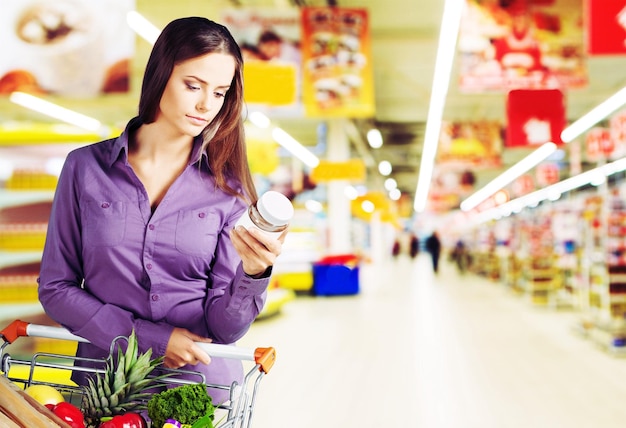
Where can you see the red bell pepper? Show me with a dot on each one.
(127, 420)
(68, 413)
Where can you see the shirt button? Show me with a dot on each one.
(151, 227)
(201, 215)
(149, 266)
(105, 205)
(155, 297)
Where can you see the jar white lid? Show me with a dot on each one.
(275, 208)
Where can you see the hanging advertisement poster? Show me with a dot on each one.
(475, 144)
(449, 186)
(269, 39)
(522, 185)
(337, 73)
(547, 173)
(605, 22)
(617, 129)
(521, 44)
(599, 144)
(76, 48)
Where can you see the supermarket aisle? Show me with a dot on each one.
(415, 350)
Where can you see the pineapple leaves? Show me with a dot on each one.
(120, 387)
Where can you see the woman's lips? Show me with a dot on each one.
(197, 120)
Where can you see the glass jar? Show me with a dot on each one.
(271, 214)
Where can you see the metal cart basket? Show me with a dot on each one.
(54, 369)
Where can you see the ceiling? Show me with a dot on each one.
(404, 43)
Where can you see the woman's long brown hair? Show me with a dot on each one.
(224, 138)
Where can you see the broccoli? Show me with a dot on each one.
(186, 404)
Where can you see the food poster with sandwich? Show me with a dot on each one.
(269, 39)
(75, 48)
(475, 144)
(337, 73)
(532, 44)
(464, 147)
(450, 184)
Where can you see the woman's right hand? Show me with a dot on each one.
(182, 350)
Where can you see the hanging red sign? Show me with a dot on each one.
(535, 116)
(606, 27)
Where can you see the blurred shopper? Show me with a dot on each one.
(433, 246)
(396, 248)
(460, 256)
(414, 245)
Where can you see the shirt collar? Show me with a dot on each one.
(120, 145)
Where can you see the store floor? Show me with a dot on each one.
(447, 351)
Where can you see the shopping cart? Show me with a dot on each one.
(54, 369)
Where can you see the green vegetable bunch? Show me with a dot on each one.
(186, 404)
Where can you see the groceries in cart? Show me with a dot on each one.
(127, 390)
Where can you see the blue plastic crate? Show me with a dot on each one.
(335, 279)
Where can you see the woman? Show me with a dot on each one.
(141, 231)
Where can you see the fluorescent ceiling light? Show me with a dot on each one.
(395, 194)
(391, 184)
(368, 206)
(448, 34)
(284, 139)
(142, 26)
(374, 138)
(351, 192)
(552, 192)
(293, 146)
(314, 206)
(594, 116)
(508, 176)
(259, 120)
(384, 167)
(56, 111)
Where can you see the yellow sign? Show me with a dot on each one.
(353, 170)
(44, 133)
(272, 84)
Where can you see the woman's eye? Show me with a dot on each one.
(192, 87)
(220, 94)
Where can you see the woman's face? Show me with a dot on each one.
(195, 91)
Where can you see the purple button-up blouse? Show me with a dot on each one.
(110, 264)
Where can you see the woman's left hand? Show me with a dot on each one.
(257, 250)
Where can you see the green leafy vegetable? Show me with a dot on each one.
(186, 404)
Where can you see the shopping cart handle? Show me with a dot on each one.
(20, 328)
(14, 330)
(264, 357)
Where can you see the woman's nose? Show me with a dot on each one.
(204, 103)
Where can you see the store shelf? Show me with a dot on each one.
(10, 198)
(10, 312)
(10, 258)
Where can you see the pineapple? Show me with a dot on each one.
(123, 385)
